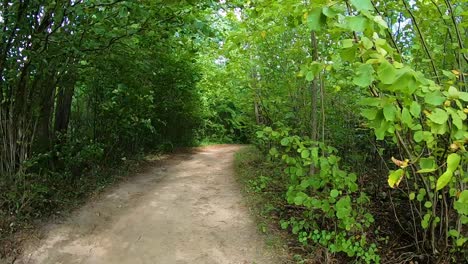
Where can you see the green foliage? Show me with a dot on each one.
(87, 86)
(329, 195)
(315, 66)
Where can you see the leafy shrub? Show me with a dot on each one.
(333, 208)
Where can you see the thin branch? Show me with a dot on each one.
(423, 41)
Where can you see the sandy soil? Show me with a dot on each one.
(187, 209)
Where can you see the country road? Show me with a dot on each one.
(186, 209)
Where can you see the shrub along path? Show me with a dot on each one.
(187, 209)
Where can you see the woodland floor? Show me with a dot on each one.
(186, 208)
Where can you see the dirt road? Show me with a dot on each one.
(187, 209)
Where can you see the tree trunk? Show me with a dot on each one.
(314, 88)
(64, 103)
(44, 136)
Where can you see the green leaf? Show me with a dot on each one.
(364, 75)
(305, 154)
(415, 109)
(425, 221)
(300, 171)
(443, 180)
(460, 241)
(412, 196)
(463, 96)
(285, 141)
(362, 5)
(343, 207)
(453, 233)
(428, 204)
(369, 113)
(370, 101)
(453, 93)
(284, 224)
(427, 165)
(406, 117)
(273, 151)
(316, 20)
(347, 43)
(395, 178)
(382, 129)
(461, 205)
(300, 197)
(453, 160)
(439, 116)
(310, 76)
(418, 136)
(334, 193)
(434, 99)
(356, 23)
(379, 20)
(330, 12)
(457, 121)
(387, 73)
(368, 44)
(389, 112)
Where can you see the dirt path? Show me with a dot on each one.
(188, 209)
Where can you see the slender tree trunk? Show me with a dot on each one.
(44, 135)
(64, 103)
(314, 88)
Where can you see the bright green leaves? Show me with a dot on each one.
(444, 179)
(434, 98)
(305, 154)
(284, 141)
(427, 165)
(341, 204)
(415, 109)
(300, 198)
(334, 193)
(313, 70)
(453, 160)
(395, 178)
(357, 23)
(381, 129)
(310, 76)
(332, 11)
(454, 94)
(426, 220)
(364, 75)
(343, 207)
(386, 73)
(439, 116)
(370, 113)
(461, 205)
(457, 117)
(389, 112)
(347, 43)
(381, 22)
(367, 43)
(406, 117)
(418, 136)
(362, 5)
(316, 20)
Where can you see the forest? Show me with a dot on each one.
(355, 113)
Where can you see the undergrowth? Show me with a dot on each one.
(33, 199)
(263, 186)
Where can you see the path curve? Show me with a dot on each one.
(187, 209)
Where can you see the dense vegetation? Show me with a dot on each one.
(86, 85)
(358, 110)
